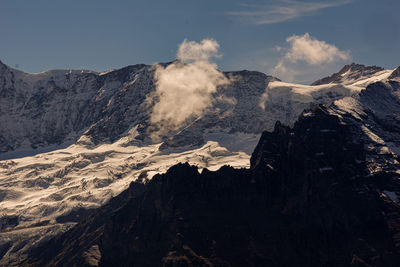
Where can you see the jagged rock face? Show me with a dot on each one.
(307, 200)
(350, 72)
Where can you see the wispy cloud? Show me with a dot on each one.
(283, 10)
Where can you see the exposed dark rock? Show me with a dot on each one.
(8, 221)
(307, 200)
(395, 74)
(75, 215)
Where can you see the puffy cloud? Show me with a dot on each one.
(314, 52)
(185, 88)
(190, 51)
(305, 49)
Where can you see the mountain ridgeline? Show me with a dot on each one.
(58, 107)
(308, 199)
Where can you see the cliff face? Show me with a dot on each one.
(307, 200)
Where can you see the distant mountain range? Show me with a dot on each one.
(71, 140)
(57, 107)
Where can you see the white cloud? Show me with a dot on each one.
(314, 52)
(184, 89)
(307, 50)
(190, 51)
(283, 10)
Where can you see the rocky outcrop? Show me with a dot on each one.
(307, 200)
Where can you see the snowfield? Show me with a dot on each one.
(45, 186)
(39, 190)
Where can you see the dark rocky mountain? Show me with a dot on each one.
(308, 199)
(350, 72)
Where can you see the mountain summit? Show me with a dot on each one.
(350, 73)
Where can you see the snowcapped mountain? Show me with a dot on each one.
(56, 108)
(70, 140)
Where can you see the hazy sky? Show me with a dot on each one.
(37, 35)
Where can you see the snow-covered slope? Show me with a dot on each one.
(93, 128)
(45, 186)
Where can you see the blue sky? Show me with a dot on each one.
(37, 35)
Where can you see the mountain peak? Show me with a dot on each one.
(360, 67)
(2, 64)
(350, 72)
(3, 69)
